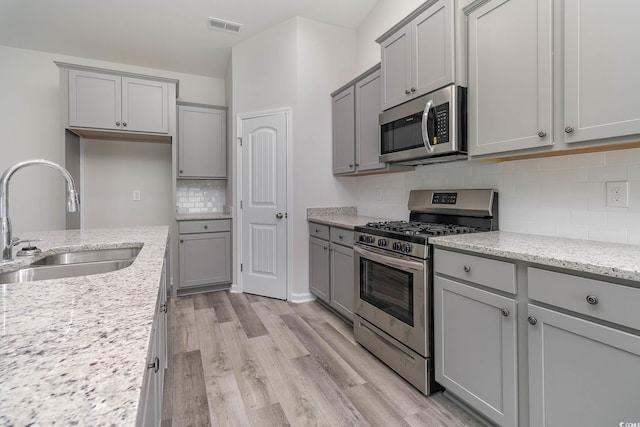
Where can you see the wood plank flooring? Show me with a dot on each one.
(245, 360)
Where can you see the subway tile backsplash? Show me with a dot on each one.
(558, 196)
(200, 196)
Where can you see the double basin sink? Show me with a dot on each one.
(73, 264)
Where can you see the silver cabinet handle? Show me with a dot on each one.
(542, 134)
(351, 165)
(317, 230)
(532, 320)
(466, 268)
(181, 241)
(155, 365)
(124, 124)
(180, 171)
(505, 312)
(117, 123)
(341, 237)
(279, 215)
(413, 89)
(206, 226)
(592, 299)
(426, 139)
(568, 129)
(407, 92)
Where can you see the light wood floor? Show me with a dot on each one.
(243, 360)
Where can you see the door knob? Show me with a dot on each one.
(279, 215)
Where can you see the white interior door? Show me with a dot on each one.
(264, 205)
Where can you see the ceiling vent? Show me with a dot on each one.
(224, 25)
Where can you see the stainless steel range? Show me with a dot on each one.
(394, 280)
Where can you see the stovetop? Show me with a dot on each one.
(417, 228)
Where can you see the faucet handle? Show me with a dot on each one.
(15, 241)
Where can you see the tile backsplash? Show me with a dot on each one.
(557, 196)
(200, 196)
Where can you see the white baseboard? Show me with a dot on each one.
(235, 289)
(298, 298)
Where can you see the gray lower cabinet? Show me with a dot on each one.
(342, 275)
(150, 406)
(319, 268)
(205, 253)
(476, 348)
(202, 141)
(580, 372)
(331, 268)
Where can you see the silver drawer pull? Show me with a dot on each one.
(341, 237)
(532, 320)
(505, 312)
(467, 268)
(592, 299)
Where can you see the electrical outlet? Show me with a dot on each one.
(379, 194)
(136, 195)
(618, 194)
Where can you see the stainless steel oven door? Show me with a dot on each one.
(391, 293)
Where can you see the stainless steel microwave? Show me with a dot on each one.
(428, 129)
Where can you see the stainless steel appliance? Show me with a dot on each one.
(394, 280)
(429, 129)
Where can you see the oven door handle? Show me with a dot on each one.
(401, 264)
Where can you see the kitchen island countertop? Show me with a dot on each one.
(73, 351)
(617, 260)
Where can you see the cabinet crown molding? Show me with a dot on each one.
(426, 5)
(473, 6)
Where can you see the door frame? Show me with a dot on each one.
(238, 187)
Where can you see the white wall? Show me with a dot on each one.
(297, 64)
(29, 118)
(559, 196)
(111, 170)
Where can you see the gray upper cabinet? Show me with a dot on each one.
(601, 85)
(343, 131)
(114, 102)
(356, 132)
(510, 94)
(202, 142)
(418, 56)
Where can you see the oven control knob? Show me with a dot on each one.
(382, 242)
(406, 248)
(397, 246)
(361, 239)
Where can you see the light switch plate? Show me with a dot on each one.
(618, 194)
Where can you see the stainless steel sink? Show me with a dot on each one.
(97, 255)
(73, 264)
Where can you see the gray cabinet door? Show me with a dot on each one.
(342, 280)
(510, 93)
(344, 131)
(580, 372)
(396, 68)
(475, 348)
(202, 142)
(601, 68)
(368, 107)
(94, 100)
(319, 268)
(145, 105)
(205, 259)
(432, 48)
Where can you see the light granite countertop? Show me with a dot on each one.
(344, 221)
(203, 216)
(617, 260)
(73, 351)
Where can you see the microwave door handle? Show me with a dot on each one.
(426, 139)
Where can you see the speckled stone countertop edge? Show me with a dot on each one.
(344, 221)
(73, 350)
(615, 260)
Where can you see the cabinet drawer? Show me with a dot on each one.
(318, 230)
(596, 298)
(342, 236)
(204, 226)
(494, 274)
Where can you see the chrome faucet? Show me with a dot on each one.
(73, 203)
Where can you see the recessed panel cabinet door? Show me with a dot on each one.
(476, 348)
(344, 132)
(144, 106)
(433, 48)
(342, 280)
(601, 69)
(510, 91)
(202, 142)
(319, 268)
(205, 259)
(581, 373)
(368, 108)
(396, 68)
(94, 100)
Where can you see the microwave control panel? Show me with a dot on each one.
(442, 124)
